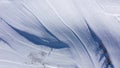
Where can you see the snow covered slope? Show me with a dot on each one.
(59, 34)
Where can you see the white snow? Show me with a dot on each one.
(67, 21)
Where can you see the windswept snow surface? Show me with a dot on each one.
(59, 34)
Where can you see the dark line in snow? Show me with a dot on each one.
(101, 50)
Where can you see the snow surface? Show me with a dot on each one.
(59, 34)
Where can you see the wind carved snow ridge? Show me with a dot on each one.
(84, 46)
(81, 43)
(2, 39)
(72, 31)
(41, 41)
(34, 57)
(101, 50)
(38, 41)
